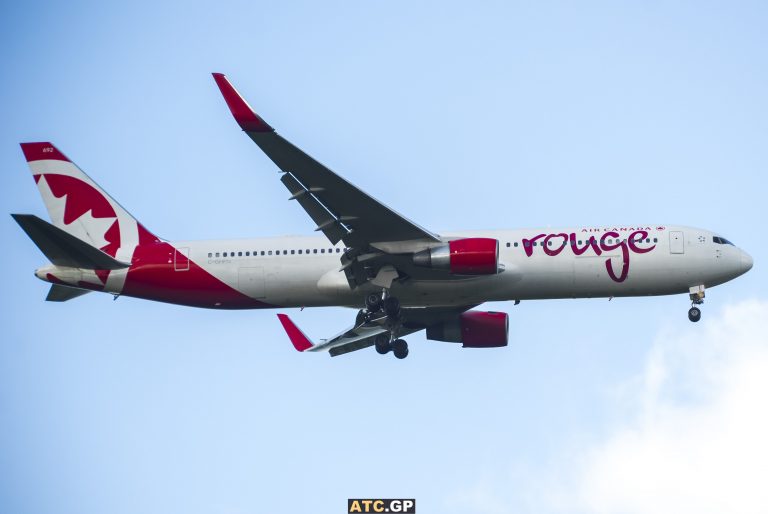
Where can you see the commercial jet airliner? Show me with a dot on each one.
(402, 277)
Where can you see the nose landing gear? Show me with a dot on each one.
(696, 294)
(694, 314)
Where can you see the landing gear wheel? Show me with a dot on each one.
(694, 314)
(373, 302)
(382, 344)
(392, 306)
(400, 348)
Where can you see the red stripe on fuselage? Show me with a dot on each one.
(152, 276)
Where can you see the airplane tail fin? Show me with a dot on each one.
(79, 207)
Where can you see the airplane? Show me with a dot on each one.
(402, 278)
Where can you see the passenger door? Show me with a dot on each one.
(676, 242)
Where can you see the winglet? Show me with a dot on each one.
(248, 120)
(300, 341)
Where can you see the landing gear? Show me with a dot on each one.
(389, 306)
(694, 314)
(373, 302)
(382, 344)
(696, 294)
(400, 348)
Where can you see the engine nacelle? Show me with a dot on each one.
(471, 256)
(474, 329)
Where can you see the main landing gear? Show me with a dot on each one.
(399, 347)
(390, 307)
(696, 294)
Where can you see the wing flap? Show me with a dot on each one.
(331, 226)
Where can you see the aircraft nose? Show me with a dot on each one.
(746, 262)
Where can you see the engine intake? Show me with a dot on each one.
(471, 256)
(474, 329)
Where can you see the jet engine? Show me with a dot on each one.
(474, 329)
(471, 256)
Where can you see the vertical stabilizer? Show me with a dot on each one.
(78, 206)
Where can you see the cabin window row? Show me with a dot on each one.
(528, 244)
(257, 253)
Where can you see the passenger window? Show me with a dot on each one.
(527, 244)
(314, 251)
(217, 254)
(322, 250)
(655, 240)
(307, 251)
(515, 244)
(285, 252)
(508, 245)
(299, 252)
(239, 254)
(210, 255)
(293, 252)
(338, 250)
(270, 252)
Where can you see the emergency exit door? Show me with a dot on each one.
(181, 259)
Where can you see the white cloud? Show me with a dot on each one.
(691, 435)
(698, 440)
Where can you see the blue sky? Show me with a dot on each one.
(485, 115)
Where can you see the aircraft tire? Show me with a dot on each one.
(400, 348)
(382, 344)
(373, 302)
(392, 306)
(694, 314)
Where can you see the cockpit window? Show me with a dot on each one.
(721, 240)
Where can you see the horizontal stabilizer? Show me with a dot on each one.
(64, 249)
(59, 293)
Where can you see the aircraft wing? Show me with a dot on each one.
(339, 209)
(364, 334)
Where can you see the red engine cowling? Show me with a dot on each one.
(474, 329)
(471, 256)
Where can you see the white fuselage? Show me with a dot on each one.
(305, 271)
